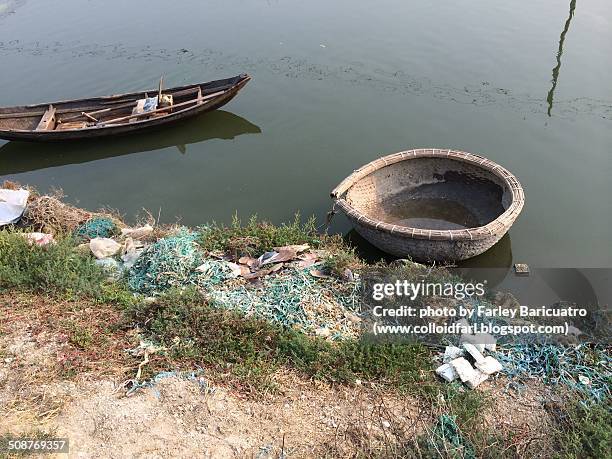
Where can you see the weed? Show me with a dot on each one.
(252, 349)
(583, 430)
(57, 268)
(257, 237)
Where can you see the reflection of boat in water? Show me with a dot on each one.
(18, 157)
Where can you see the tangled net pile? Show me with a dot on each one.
(96, 227)
(587, 370)
(169, 262)
(295, 299)
(291, 297)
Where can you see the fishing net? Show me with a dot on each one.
(447, 437)
(96, 227)
(586, 369)
(296, 299)
(169, 262)
(291, 297)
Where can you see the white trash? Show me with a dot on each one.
(12, 205)
(137, 232)
(103, 247)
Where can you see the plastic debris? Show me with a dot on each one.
(104, 247)
(137, 233)
(446, 436)
(112, 267)
(131, 251)
(554, 364)
(96, 227)
(12, 205)
(39, 238)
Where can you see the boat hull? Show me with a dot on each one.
(232, 87)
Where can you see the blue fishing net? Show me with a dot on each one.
(169, 262)
(96, 227)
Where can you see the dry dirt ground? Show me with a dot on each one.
(180, 417)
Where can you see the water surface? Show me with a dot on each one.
(335, 85)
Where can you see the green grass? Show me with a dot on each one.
(584, 431)
(52, 269)
(252, 350)
(256, 237)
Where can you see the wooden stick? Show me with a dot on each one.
(139, 115)
(87, 115)
(97, 112)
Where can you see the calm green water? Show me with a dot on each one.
(335, 85)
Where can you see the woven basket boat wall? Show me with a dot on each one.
(362, 194)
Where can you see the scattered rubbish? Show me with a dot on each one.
(468, 375)
(104, 247)
(521, 269)
(458, 363)
(38, 238)
(102, 227)
(321, 274)
(554, 364)
(131, 251)
(137, 233)
(12, 205)
(133, 385)
(481, 341)
(292, 298)
(112, 267)
(473, 352)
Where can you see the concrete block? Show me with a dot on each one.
(452, 353)
(482, 341)
(473, 352)
(447, 372)
(477, 378)
(489, 365)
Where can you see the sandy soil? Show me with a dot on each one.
(182, 417)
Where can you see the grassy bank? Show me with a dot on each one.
(61, 289)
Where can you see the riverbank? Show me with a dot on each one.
(193, 339)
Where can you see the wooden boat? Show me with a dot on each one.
(115, 115)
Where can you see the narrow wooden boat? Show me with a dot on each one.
(115, 115)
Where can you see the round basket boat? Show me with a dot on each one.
(430, 204)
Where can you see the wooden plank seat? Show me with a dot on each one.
(47, 122)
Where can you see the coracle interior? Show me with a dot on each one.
(431, 193)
